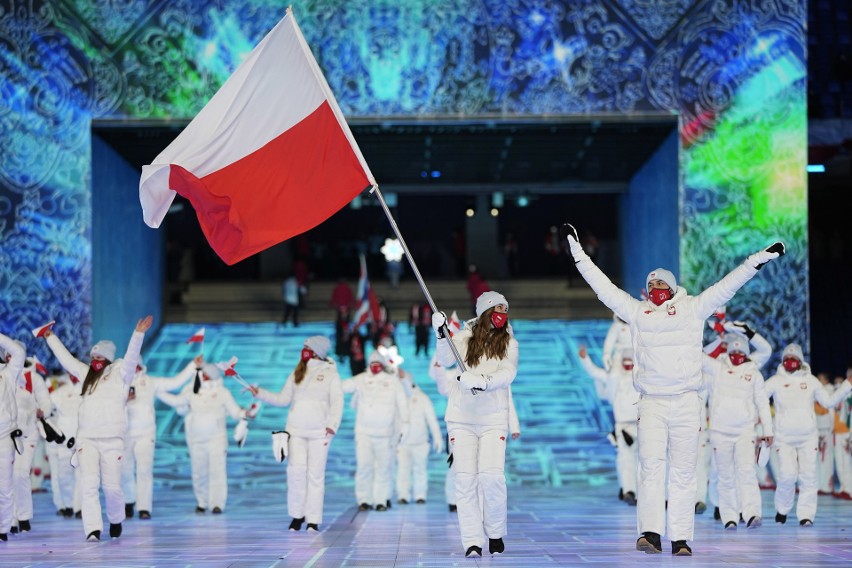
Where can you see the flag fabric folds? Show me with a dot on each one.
(269, 157)
(197, 337)
(368, 305)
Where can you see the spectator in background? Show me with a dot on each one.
(292, 291)
(342, 333)
(510, 250)
(420, 319)
(476, 285)
(342, 296)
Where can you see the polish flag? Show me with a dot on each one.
(269, 157)
(454, 324)
(197, 337)
(229, 368)
(42, 329)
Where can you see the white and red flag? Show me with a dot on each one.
(269, 157)
(197, 337)
(368, 304)
(454, 324)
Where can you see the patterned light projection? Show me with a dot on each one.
(734, 71)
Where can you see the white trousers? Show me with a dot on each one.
(797, 460)
(479, 457)
(668, 429)
(209, 461)
(412, 464)
(703, 467)
(7, 499)
(64, 481)
(626, 456)
(306, 477)
(450, 486)
(372, 469)
(737, 476)
(825, 461)
(843, 461)
(100, 468)
(52, 453)
(137, 472)
(23, 485)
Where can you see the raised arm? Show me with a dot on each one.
(171, 384)
(19, 358)
(134, 350)
(833, 399)
(761, 348)
(70, 363)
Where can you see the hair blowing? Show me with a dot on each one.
(299, 371)
(487, 340)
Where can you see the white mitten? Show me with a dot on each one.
(241, 432)
(569, 232)
(438, 445)
(280, 445)
(470, 380)
(761, 257)
(439, 320)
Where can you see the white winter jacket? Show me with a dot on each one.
(382, 403)
(617, 338)
(10, 375)
(67, 399)
(491, 406)
(316, 403)
(794, 395)
(423, 421)
(667, 339)
(208, 410)
(31, 395)
(141, 417)
(102, 413)
(735, 392)
(618, 385)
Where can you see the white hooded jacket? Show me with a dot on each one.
(382, 405)
(102, 413)
(208, 410)
(141, 418)
(735, 392)
(667, 339)
(36, 397)
(66, 397)
(618, 382)
(316, 403)
(424, 422)
(10, 375)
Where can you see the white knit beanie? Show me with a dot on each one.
(489, 300)
(664, 275)
(319, 344)
(105, 349)
(793, 350)
(739, 344)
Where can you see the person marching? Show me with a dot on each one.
(381, 415)
(137, 472)
(794, 390)
(13, 357)
(102, 422)
(478, 418)
(315, 397)
(413, 451)
(667, 335)
(735, 387)
(66, 398)
(618, 386)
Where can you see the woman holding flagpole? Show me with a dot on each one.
(478, 418)
(314, 394)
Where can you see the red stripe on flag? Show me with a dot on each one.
(290, 185)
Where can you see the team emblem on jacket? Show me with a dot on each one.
(803, 386)
(671, 310)
(320, 378)
(747, 378)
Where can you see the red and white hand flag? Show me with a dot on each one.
(197, 337)
(454, 324)
(40, 331)
(39, 366)
(269, 157)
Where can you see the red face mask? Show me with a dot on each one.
(792, 364)
(307, 354)
(659, 295)
(499, 320)
(737, 358)
(627, 364)
(98, 365)
(376, 368)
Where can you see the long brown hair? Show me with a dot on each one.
(487, 340)
(92, 378)
(299, 371)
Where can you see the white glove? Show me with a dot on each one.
(569, 232)
(439, 320)
(280, 445)
(438, 445)
(758, 259)
(241, 432)
(470, 380)
(739, 327)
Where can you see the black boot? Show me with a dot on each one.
(128, 510)
(700, 507)
(78, 514)
(364, 507)
(473, 551)
(779, 518)
(94, 536)
(496, 546)
(217, 511)
(296, 524)
(680, 548)
(630, 498)
(115, 530)
(200, 510)
(717, 515)
(25, 526)
(68, 513)
(145, 515)
(649, 543)
(313, 527)
(3, 537)
(452, 508)
(14, 529)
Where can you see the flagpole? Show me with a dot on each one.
(375, 190)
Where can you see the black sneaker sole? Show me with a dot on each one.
(646, 546)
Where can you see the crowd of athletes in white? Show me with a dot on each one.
(689, 420)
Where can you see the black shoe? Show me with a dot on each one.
(621, 494)
(94, 535)
(717, 515)
(296, 524)
(388, 504)
(754, 522)
(68, 513)
(802, 523)
(630, 498)
(402, 501)
(78, 514)
(313, 527)
(381, 508)
(145, 515)
(364, 507)
(700, 507)
(779, 518)
(24, 526)
(496, 546)
(473, 551)
(217, 511)
(742, 520)
(3, 537)
(452, 508)
(115, 530)
(730, 526)
(128, 510)
(421, 501)
(14, 529)
(200, 510)
(649, 543)
(680, 548)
